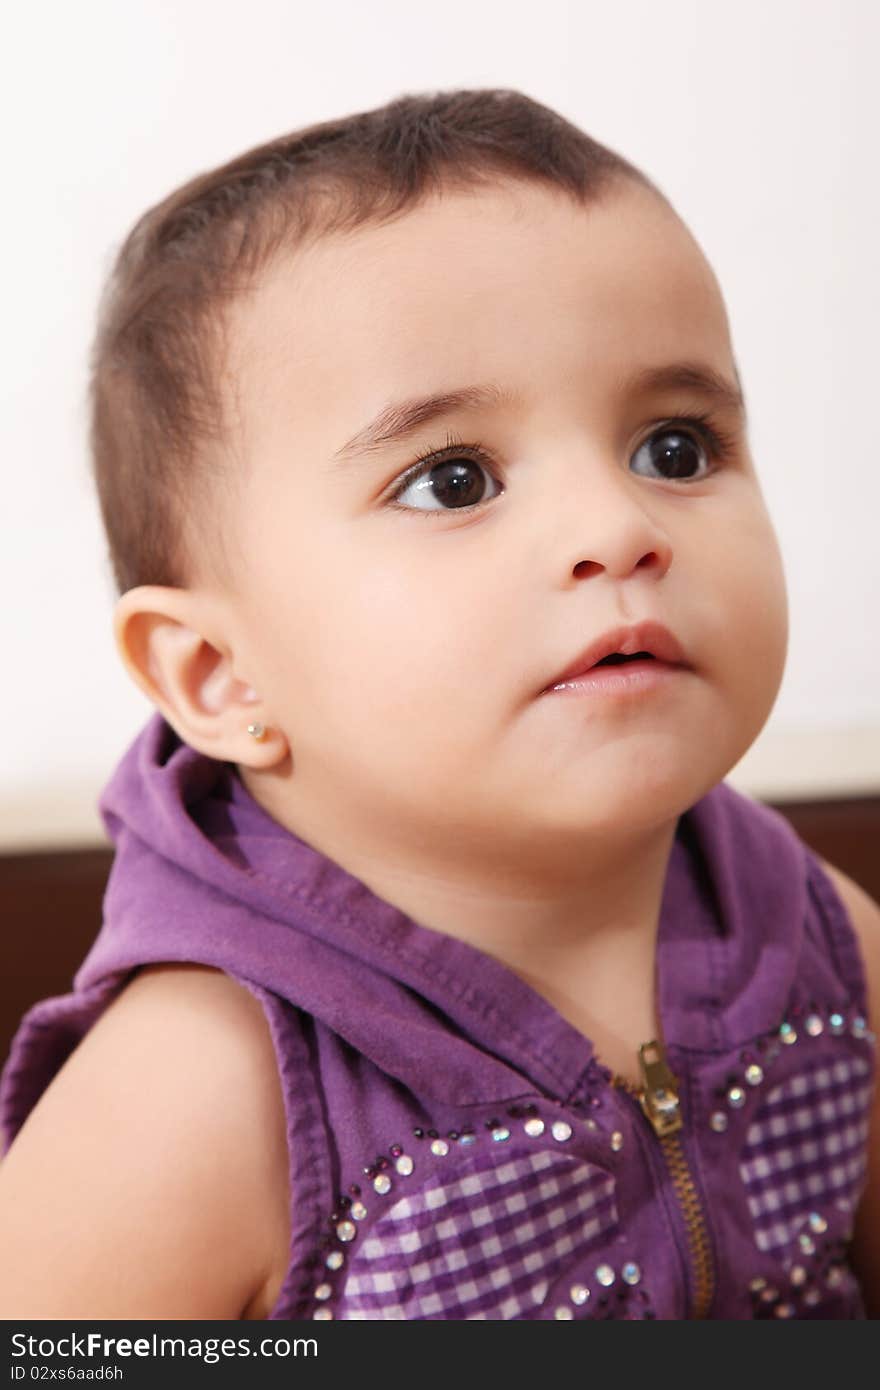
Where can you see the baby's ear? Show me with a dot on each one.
(174, 646)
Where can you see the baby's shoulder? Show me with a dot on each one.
(156, 1151)
(233, 1059)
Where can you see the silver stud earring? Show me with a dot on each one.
(257, 730)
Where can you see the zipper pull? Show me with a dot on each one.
(659, 1096)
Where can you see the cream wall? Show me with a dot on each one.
(757, 119)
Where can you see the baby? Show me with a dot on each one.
(441, 974)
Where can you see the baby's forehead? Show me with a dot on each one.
(467, 286)
(488, 240)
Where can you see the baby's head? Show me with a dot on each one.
(271, 360)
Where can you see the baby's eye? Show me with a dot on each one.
(675, 451)
(452, 481)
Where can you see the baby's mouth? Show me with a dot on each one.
(615, 658)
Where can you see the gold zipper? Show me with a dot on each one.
(660, 1103)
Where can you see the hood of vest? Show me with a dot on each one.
(201, 872)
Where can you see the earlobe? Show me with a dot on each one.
(175, 651)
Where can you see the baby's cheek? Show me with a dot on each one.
(766, 637)
(755, 598)
(754, 662)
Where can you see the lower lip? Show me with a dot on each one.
(626, 678)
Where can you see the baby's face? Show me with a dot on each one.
(400, 633)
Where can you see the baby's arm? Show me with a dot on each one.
(865, 1252)
(150, 1179)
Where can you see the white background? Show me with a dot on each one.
(758, 120)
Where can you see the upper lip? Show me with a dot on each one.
(648, 636)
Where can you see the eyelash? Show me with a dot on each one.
(718, 442)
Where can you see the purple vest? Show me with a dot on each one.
(456, 1149)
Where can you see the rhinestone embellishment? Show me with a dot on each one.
(800, 1280)
(350, 1209)
(322, 1315)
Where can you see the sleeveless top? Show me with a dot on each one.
(456, 1148)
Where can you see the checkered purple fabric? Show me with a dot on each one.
(806, 1147)
(485, 1244)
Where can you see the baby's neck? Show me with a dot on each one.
(605, 911)
(590, 949)
(576, 921)
(596, 964)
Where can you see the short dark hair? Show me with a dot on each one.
(156, 416)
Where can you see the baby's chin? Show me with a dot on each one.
(617, 798)
(619, 812)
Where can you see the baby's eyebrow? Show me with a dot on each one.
(400, 419)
